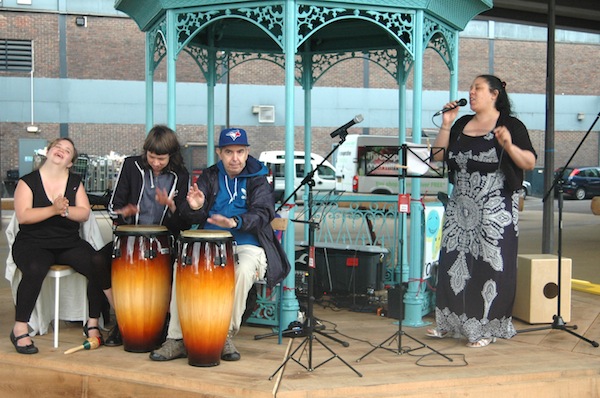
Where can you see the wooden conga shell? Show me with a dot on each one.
(205, 290)
(141, 284)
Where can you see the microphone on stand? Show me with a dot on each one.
(461, 102)
(357, 119)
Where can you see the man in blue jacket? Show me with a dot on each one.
(233, 195)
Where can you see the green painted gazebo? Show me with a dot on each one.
(306, 38)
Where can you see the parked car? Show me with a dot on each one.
(324, 177)
(526, 188)
(580, 182)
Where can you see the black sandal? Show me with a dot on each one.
(27, 349)
(87, 328)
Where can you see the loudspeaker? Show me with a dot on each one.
(536, 298)
(395, 302)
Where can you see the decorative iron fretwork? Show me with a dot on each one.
(158, 43)
(439, 38)
(398, 25)
(269, 18)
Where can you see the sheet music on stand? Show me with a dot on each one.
(417, 161)
(322, 204)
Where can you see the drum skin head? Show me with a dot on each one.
(141, 229)
(206, 234)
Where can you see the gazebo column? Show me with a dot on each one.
(149, 81)
(307, 84)
(401, 269)
(171, 70)
(413, 300)
(211, 81)
(289, 302)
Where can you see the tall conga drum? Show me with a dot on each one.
(205, 289)
(141, 282)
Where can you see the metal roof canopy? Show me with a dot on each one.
(581, 15)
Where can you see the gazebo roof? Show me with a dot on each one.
(351, 34)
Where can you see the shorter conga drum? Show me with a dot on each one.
(205, 290)
(141, 282)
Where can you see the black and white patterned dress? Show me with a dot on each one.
(477, 272)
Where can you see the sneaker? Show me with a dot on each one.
(171, 349)
(230, 353)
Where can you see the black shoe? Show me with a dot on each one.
(86, 330)
(114, 337)
(27, 349)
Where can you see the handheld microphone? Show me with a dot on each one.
(461, 102)
(357, 119)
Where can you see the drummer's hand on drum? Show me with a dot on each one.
(128, 210)
(195, 198)
(164, 199)
(222, 221)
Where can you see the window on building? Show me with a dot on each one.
(16, 55)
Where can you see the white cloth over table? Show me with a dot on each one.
(72, 288)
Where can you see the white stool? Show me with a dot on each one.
(58, 271)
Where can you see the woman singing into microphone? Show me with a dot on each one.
(486, 154)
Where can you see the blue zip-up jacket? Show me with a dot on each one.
(257, 218)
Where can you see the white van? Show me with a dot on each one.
(324, 177)
(370, 164)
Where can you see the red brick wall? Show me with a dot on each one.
(113, 48)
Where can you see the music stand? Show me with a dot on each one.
(557, 320)
(309, 330)
(421, 167)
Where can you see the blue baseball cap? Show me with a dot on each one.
(233, 137)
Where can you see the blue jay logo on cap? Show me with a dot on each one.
(234, 134)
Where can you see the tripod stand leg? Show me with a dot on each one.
(593, 343)
(381, 345)
(423, 345)
(560, 324)
(291, 356)
(344, 343)
(334, 355)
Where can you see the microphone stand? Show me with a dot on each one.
(309, 330)
(557, 320)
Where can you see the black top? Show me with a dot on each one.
(520, 138)
(56, 231)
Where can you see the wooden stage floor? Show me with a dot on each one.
(549, 363)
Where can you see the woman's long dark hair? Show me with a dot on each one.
(161, 140)
(503, 104)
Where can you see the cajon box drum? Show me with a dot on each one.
(536, 298)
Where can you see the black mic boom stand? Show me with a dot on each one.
(557, 320)
(309, 330)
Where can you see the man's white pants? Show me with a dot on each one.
(250, 267)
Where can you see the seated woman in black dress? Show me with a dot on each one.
(50, 204)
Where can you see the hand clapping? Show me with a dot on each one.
(61, 205)
(195, 197)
